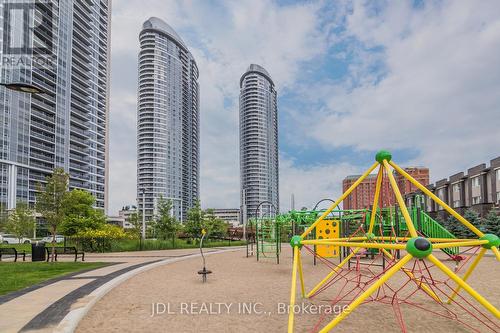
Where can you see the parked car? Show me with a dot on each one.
(12, 239)
(48, 239)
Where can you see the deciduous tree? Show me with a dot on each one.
(165, 224)
(50, 200)
(21, 221)
(80, 214)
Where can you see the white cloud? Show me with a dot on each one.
(224, 39)
(311, 184)
(439, 95)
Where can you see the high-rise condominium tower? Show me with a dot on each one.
(168, 121)
(62, 47)
(258, 141)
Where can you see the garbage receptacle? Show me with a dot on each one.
(38, 251)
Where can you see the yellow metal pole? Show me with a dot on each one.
(458, 244)
(348, 239)
(401, 202)
(345, 239)
(339, 200)
(419, 282)
(375, 199)
(432, 240)
(330, 240)
(355, 244)
(293, 289)
(351, 307)
(464, 286)
(450, 240)
(450, 210)
(335, 270)
(496, 252)
(468, 273)
(301, 275)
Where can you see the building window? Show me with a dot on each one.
(475, 182)
(456, 195)
(497, 173)
(476, 191)
(440, 194)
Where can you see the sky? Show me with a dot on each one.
(419, 78)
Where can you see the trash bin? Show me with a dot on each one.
(38, 251)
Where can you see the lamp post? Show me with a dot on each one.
(143, 192)
(244, 210)
(181, 201)
(26, 88)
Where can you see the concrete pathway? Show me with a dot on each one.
(50, 306)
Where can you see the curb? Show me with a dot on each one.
(70, 322)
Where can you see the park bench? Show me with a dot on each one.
(13, 251)
(64, 250)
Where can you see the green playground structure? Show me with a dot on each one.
(265, 235)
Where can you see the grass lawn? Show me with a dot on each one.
(149, 244)
(19, 275)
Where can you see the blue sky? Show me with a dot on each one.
(353, 77)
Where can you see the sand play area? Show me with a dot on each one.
(243, 295)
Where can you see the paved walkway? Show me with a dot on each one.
(42, 307)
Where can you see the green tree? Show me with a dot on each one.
(136, 220)
(214, 226)
(473, 217)
(194, 222)
(458, 229)
(491, 223)
(452, 225)
(50, 202)
(21, 221)
(165, 224)
(199, 219)
(80, 214)
(3, 217)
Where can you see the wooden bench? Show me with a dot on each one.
(13, 251)
(64, 250)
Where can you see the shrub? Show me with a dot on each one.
(100, 240)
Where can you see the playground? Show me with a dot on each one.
(238, 280)
(390, 269)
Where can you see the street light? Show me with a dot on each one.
(23, 87)
(244, 211)
(143, 192)
(27, 89)
(172, 209)
(12, 165)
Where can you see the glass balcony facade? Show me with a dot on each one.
(67, 125)
(168, 121)
(259, 179)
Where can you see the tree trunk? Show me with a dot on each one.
(53, 252)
